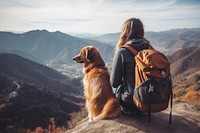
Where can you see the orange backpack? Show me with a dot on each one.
(153, 85)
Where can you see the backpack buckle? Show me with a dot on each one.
(163, 73)
(151, 88)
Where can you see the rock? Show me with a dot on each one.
(185, 119)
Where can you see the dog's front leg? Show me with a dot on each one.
(87, 107)
(89, 116)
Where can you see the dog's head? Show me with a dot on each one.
(85, 54)
(89, 55)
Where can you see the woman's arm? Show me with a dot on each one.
(117, 70)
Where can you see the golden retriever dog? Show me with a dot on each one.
(100, 100)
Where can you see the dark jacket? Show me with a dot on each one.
(124, 64)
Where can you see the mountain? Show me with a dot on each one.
(175, 39)
(31, 93)
(82, 35)
(165, 40)
(184, 59)
(185, 71)
(110, 39)
(49, 47)
(33, 73)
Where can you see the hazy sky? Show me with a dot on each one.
(97, 16)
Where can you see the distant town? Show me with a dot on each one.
(70, 70)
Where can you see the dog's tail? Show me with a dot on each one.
(110, 110)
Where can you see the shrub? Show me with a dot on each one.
(181, 93)
(197, 77)
(197, 87)
(186, 86)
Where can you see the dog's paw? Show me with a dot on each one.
(96, 118)
(90, 120)
(90, 117)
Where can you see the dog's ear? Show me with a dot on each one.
(90, 53)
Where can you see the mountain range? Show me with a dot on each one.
(184, 59)
(59, 48)
(48, 47)
(31, 93)
(170, 40)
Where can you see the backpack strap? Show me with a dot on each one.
(134, 51)
(149, 105)
(171, 102)
(149, 46)
(170, 115)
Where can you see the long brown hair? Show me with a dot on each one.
(131, 29)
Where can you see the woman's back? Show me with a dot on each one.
(127, 63)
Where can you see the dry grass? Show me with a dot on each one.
(192, 97)
(187, 87)
(51, 129)
(189, 94)
(77, 117)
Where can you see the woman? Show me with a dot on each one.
(123, 68)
